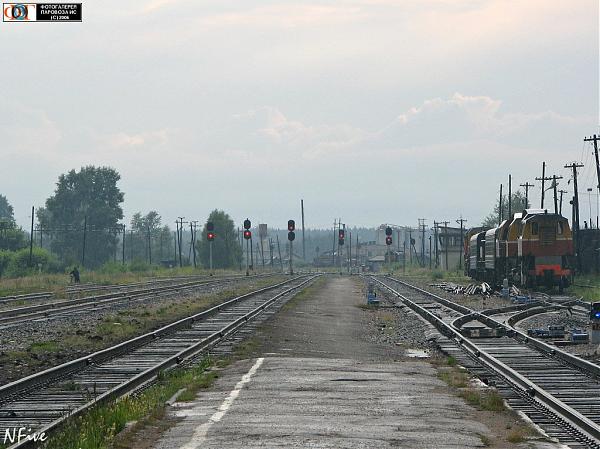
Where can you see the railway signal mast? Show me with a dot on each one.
(291, 237)
(210, 236)
(388, 242)
(341, 238)
(595, 322)
(247, 237)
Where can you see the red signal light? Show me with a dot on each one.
(388, 240)
(247, 234)
(210, 236)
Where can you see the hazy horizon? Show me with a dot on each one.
(374, 111)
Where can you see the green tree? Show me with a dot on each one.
(149, 225)
(89, 197)
(11, 237)
(6, 210)
(518, 205)
(227, 251)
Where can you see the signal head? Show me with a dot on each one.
(247, 234)
(210, 226)
(210, 236)
(388, 231)
(291, 225)
(291, 236)
(388, 240)
(247, 224)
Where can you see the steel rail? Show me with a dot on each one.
(31, 383)
(587, 367)
(32, 312)
(583, 424)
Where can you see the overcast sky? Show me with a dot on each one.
(371, 110)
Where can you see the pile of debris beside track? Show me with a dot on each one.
(483, 289)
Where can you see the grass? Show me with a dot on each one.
(456, 378)
(44, 346)
(519, 434)
(304, 294)
(56, 283)
(488, 400)
(97, 428)
(435, 275)
(586, 287)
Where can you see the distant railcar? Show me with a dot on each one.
(545, 249)
(531, 248)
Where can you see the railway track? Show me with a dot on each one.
(556, 390)
(56, 309)
(45, 400)
(74, 290)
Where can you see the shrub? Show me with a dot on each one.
(437, 275)
(42, 260)
(113, 268)
(6, 258)
(138, 266)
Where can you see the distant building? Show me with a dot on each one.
(450, 248)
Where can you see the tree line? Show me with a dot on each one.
(81, 225)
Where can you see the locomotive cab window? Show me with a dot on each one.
(534, 229)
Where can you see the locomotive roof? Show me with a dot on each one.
(533, 213)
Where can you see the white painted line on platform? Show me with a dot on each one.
(201, 431)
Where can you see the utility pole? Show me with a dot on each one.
(445, 223)
(303, 242)
(554, 185)
(552, 178)
(422, 229)
(357, 247)
(31, 238)
(84, 238)
(461, 221)
(149, 245)
(561, 200)
(180, 238)
(333, 250)
(435, 236)
(279, 250)
(193, 230)
(241, 242)
(430, 252)
(543, 179)
(410, 245)
(500, 207)
(509, 197)
(527, 185)
(574, 166)
(350, 252)
(595, 139)
(124, 234)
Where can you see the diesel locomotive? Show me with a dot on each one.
(532, 248)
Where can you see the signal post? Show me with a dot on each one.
(247, 237)
(291, 237)
(388, 242)
(595, 323)
(210, 236)
(341, 239)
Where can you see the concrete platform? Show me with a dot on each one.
(324, 403)
(319, 381)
